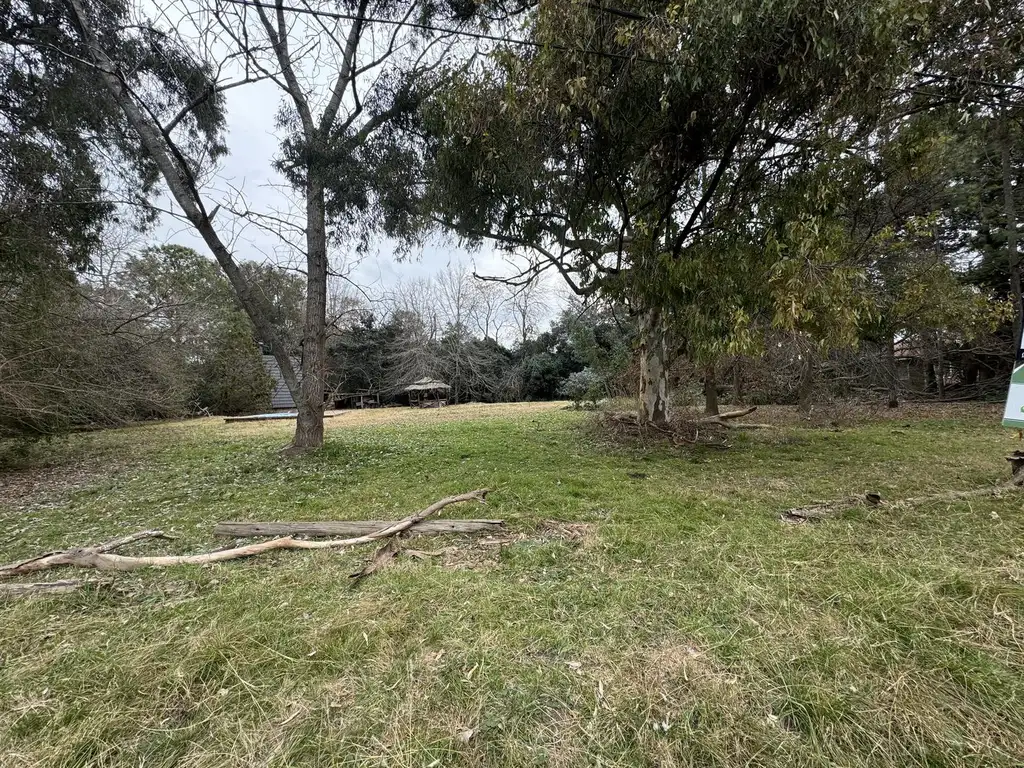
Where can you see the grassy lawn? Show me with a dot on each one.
(680, 623)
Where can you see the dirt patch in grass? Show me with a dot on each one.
(26, 489)
(484, 553)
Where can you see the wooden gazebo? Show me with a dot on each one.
(428, 393)
(366, 398)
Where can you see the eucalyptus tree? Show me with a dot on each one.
(940, 185)
(67, 159)
(635, 150)
(909, 213)
(348, 75)
(972, 73)
(66, 154)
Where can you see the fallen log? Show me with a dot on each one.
(826, 509)
(269, 417)
(728, 415)
(728, 420)
(102, 559)
(239, 530)
(42, 588)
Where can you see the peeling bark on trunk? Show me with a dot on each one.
(710, 391)
(653, 370)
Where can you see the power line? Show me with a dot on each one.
(341, 16)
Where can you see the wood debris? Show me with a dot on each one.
(102, 557)
(831, 509)
(240, 530)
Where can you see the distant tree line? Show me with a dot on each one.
(480, 338)
(157, 335)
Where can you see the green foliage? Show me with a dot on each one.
(584, 388)
(603, 337)
(231, 379)
(359, 356)
(815, 289)
(163, 338)
(924, 218)
(74, 352)
(63, 142)
(190, 302)
(664, 173)
(546, 361)
(285, 296)
(384, 356)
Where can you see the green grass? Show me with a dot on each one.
(684, 625)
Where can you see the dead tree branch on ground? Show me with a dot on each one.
(728, 419)
(351, 528)
(830, 509)
(101, 558)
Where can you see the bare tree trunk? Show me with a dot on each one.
(1010, 211)
(737, 379)
(890, 372)
(806, 391)
(710, 391)
(180, 180)
(653, 370)
(940, 366)
(309, 424)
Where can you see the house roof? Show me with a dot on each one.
(426, 385)
(280, 397)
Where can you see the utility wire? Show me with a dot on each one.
(341, 16)
(597, 5)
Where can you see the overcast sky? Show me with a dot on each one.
(247, 174)
(248, 169)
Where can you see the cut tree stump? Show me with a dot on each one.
(239, 530)
(1016, 460)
